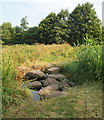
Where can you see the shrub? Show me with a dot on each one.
(88, 65)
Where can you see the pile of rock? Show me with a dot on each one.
(49, 84)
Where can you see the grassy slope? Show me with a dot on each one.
(83, 101)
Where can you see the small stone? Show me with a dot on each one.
(53, 70)
(54, 87)
(35, 85)
(64, 81)
(50, 81)
(71, 83)
(58, 77)
(49, 89)
(64, 87)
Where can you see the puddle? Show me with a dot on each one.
(35, 94)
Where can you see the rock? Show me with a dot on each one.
(49, 89)
(35, 85)
(50, 81)
(35, 74)
(53, 70)
(53, 94)
(54, 87)
(45, 90)
(71, 83)
(58, 77)
(64, 87)
(64, 81)
(56, 94)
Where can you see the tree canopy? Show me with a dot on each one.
(83, 21)
(74, 28)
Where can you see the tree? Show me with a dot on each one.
(24, 23)
(54, 28)
(6, 32)
(17, 36)
(82, 21)
(103, 33)
(47, 30)
(30, 36)
(63, 26)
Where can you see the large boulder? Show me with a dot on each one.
(50, 81)
(53, 70)
(35, 85)
(35, 74)
(58, 77)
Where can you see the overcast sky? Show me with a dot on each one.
(36, 10)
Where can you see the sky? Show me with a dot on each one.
(36, 10)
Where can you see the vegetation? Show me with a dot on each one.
(83, 21)
(64, 27)
(88, 94)
(88, 65)
(72, 41)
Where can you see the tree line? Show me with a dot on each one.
(73, 28)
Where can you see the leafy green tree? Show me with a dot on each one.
(19, 32)
(23, 34)
(63, 26)
(47, 30)
(17, 36)
(83, 20)
(30, 36)
(54, 28)
(6, 31)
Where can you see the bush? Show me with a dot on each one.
(88, 65)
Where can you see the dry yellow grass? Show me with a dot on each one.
(27, 57)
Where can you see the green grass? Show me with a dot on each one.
(83, 101)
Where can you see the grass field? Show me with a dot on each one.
(83, 63)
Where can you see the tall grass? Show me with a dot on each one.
(87, 66)
(10, 93)
(25, 53)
